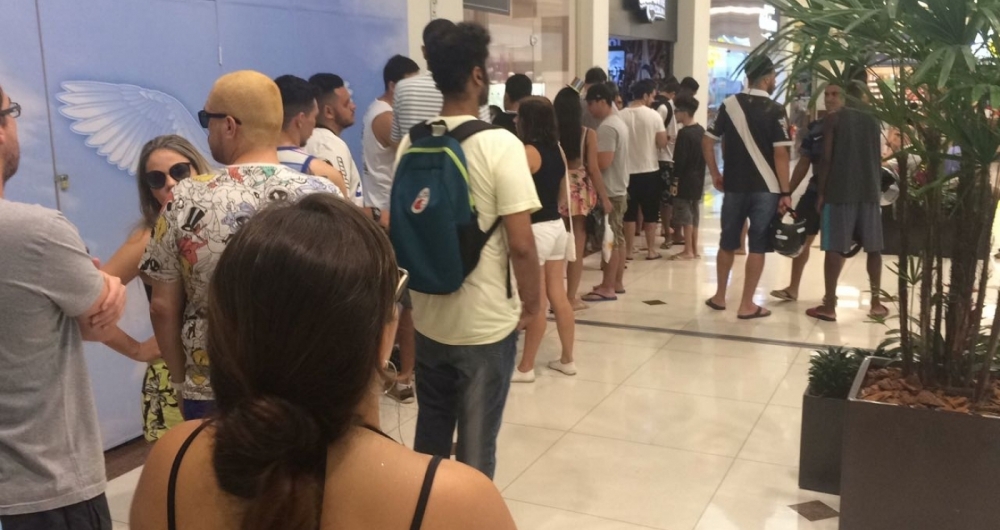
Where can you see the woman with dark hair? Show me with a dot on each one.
(299, 336)
(536, 126)
(586, 185)
(162, 162)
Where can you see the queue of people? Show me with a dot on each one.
(272, 344)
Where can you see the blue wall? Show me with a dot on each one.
(155, 57)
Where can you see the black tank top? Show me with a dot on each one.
(418, 515)
(548, 180)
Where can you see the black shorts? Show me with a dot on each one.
(645, 190)
(806, 209)
(87, 515)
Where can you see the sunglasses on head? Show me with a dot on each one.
(158, 179)
(402, 284)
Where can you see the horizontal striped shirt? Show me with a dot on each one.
(418, 99)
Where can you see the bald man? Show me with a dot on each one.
(243, 116)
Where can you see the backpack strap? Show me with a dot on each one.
(470, 128)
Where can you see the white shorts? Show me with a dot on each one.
(551, 238)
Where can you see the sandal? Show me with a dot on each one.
(714, 305)
(784, 294)
(760, 313)
(815, 313)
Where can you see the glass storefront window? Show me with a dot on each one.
(537, 39)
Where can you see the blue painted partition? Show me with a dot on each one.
(145, 67)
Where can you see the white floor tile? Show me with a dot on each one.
(534, 517)
(715, 376)
(792, 387)
(757, 496)
(120, 492)
(519, 446)
(639, 484)
(594, 361)
(681, 421)
(728, 348)
(621, 337)
(775, 438)
(553, 403)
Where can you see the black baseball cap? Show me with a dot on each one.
(600, 92)
(758, 67)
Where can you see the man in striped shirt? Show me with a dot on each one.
(418, 98)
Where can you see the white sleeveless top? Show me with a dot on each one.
(378, 160)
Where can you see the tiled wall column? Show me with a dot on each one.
(591, 34)
(691, 50)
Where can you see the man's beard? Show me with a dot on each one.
(11, 160)
(484, 96)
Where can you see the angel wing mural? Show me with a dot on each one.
(118, 119)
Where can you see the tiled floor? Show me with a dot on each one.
(664, 427)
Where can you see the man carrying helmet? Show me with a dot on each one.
(807, 210)
(850, 188)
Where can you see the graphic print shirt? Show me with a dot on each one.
(195, 227)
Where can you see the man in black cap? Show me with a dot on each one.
(756, 185)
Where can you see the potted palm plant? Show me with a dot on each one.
(922, 437)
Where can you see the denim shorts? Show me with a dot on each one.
(757, 207)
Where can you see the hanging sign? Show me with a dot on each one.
(653, 10)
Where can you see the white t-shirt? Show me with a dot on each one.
(667, 153)
(326, 145)
(643, 123)
(479, 312)
(378, 160)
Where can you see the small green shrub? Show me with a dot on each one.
(832, 371)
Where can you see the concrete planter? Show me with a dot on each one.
(918, 469)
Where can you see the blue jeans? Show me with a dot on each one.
(197, 409)
(465, 386)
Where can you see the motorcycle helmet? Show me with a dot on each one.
(788, 239)
(890, 186)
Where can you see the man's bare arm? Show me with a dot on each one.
(524, 257)
(166, 310)
(322, 168)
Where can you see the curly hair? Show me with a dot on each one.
(455, 53)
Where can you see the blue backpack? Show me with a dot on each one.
(435, 228)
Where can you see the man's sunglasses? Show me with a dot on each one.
(158, 179)
(14, 111)
(204, 117)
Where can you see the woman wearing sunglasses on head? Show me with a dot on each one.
(162, 163)
(299, 336)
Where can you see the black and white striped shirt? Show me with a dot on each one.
(418, 99)
(753, 126)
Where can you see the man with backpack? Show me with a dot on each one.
(461, 209)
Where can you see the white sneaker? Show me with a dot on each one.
(523, 377)
(568, 369)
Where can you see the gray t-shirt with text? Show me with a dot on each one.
(50, 443)
(613, 135)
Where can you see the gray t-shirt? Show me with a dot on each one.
(855, 173)
(50, 443)
(613, 135)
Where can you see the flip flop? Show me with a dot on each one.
(677, 257)
(880, 315)
(594, 297)
(783, 294)
(814, 313)
(620, 291)
(658, 256)
(760, 313)
(714, 305)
